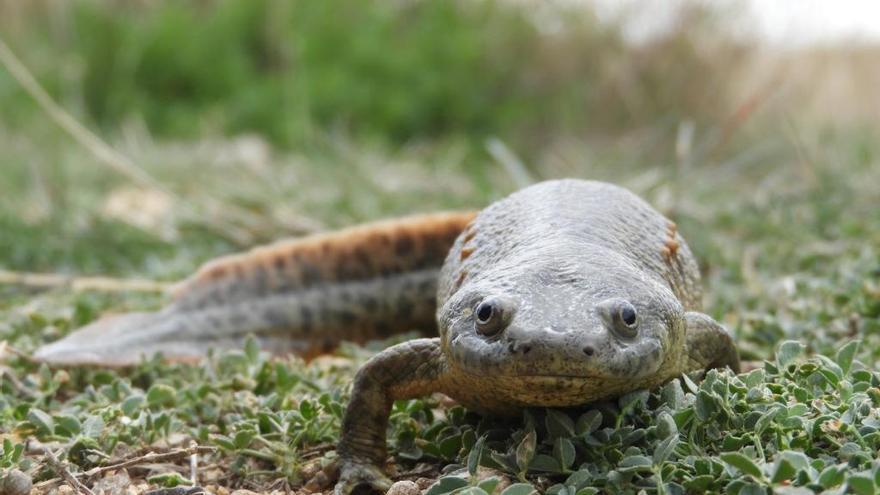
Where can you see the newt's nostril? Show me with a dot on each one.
(526, 349)
(589, 351)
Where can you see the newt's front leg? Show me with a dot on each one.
(709, 345)
(406, 370)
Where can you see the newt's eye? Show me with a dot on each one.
(627, 320)
(492, 315)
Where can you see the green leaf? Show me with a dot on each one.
(672, 394)
(252, 350)
(705, 405)
(742, 463)
(699, 483)
(489, 484)
(543, 462)
(767, 418)
(666, 426)
(93, 427)
(67, 425)
(665, 449)
(829, 365)
(525, 451)
(476, 453)
(754, 378)
(733, 442)
(160, 395)
(243, 438)
(520, 489)
(831, 476)
(788, 352)
(169, 480)
(782, 471)
(631, 400)
(579, 479)
(223, 442)
(797, 459)
(861, 485)
(564, 452)
(447, 484)
(635, 463)
(559, 424)
(450, 447)
(132, 404)
(41, 421)
(588, 422)
(307, 409)
(845, 355)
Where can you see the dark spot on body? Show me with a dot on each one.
(347, 317)
(404, 246)
(405, 308)
(428, 286)
(363, 257)
(280, 263)
(261, 280)
(381, 239)
(369, 303)
(276, 318)
(342, 272)
(306, 317)
(310, 274)
(589, 351)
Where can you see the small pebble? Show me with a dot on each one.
(14, 482)
(404, 488)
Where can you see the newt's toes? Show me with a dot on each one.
(357, 479)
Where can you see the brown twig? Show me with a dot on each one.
(102, 284)
(150, 458)
(101, 150)
(60, 469)
(11, 378)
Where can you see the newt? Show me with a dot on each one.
(561, 294)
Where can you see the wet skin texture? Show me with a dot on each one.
(563, 293)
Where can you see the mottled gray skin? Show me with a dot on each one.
(561, 259)
(302, 295)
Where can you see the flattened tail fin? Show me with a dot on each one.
(117, 340)
(301, 296)
(305, 322)
(128, 339)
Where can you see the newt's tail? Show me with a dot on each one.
(303, 296)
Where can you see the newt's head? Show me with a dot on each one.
(578, 321)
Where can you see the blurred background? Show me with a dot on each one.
(753, 124)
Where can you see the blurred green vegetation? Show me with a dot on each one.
(265, 119)
(389, 71)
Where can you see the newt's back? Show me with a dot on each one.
(537, 223)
